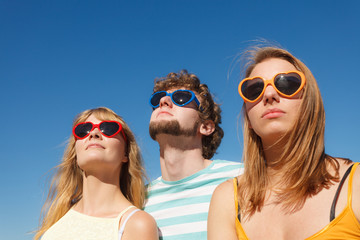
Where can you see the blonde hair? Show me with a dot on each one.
(66, 186)
(303, 160)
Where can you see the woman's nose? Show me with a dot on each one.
(270, 95)
(95, 133)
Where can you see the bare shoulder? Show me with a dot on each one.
(222, 206)
(344, 165)
(225, 187)
(141, 225)
(356, 185)
(355, 180)
(223, 195)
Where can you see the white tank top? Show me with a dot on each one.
(74, 225)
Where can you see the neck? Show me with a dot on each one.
(273, 149)
(180, 157)
(101, 198)
(272, 153)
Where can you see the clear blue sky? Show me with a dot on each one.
(58, 58)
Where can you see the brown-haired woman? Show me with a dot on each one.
(99, 185)
(290, 188)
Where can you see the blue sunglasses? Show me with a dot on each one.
(179, 97)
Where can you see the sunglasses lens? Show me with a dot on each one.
(251, 89)
(288, 83)
(109, 128)
(156, 97)
(83, 129)
(182, 97)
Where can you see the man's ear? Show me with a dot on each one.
(207, 127)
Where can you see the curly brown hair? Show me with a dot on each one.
(209, 109)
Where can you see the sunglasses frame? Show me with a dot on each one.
(98, 126)
(272, 83)
(193, 97)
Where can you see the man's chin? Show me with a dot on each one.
(170, 127)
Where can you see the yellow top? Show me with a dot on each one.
(344, 226)
(74, 225)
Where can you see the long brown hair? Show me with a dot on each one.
(303, 161)
(66, 186)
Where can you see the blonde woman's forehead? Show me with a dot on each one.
(92, 118)
(270, 67)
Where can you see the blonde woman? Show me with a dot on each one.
(99, 186)
(290, 188)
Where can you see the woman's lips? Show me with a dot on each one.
(94, 145)
(272, 113)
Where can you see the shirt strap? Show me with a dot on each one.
(122, 228)
(333, 206)
(237, 207)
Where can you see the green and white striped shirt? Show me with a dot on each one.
(180, 208)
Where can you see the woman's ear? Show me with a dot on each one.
(125, 159)
(207, 127)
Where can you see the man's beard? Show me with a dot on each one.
(172, 128)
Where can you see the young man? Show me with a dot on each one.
(185, 122)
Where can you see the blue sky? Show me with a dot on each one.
(58, 58)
